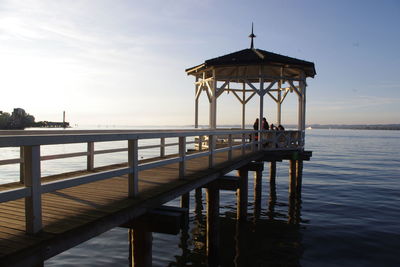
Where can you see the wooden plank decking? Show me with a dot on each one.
(76, 214)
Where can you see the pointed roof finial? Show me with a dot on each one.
(252, 36)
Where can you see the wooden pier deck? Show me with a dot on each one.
(75, 214)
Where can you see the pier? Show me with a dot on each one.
(41, 217)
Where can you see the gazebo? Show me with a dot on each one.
(251, 72)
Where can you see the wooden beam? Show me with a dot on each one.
(228, 182)
(250, 97)
(213, 238)
(141, 245)
(165, 219)
(133, 163)
(33, 202)
(242, 194)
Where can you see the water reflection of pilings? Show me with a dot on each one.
(295, 178)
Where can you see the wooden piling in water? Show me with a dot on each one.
(140, 252)
(272, 173)
(213, 238)
(257, 193)
(299, 177)
(242, 193)
(185, 200)
(292, 178)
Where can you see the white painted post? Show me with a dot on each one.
(196, 105)
(211, 144)
(90, 156)
(182, 153)
(279, 104)
(261, 109)
(303, 86)
(244, 107)
(162, 147)
(133, 162)
(253, 142)
(33, 203)
(243, 144)
(213, 104)
(200, 142)
(21, 165)
(230, 142)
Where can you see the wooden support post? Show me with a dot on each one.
(272, 190)
(292, 178)
(292, 190)
(133, 177)
(242, 194)
(33, 203)
(200, 142)
(272, 173)
(230, 143)
(244, 106)
(21, 165)
(257, 193)
(162, 147)
(90, 156)
(196, 113)
(140, 242)
(212, 195)
(299, 178)
(185, 200)
(198, 204)
(253, 140)
(211, 144)
(243, 144)
(182, 154)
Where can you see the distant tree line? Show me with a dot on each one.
(18, 119)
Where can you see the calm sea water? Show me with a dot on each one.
(349, 212)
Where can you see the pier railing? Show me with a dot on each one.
(30, 143)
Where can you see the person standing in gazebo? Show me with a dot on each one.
(255, 127)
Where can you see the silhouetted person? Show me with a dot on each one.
(255, 127)
(280, 128)
(265, 125)
(272, 127)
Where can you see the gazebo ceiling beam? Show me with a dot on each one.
(284, 96)
(257, 77)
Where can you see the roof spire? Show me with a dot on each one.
(252, 36)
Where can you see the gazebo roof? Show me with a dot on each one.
(251, 57)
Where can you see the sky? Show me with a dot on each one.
(123, 62)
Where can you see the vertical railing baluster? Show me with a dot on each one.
(253, 142)
(260, 140)
(133, 162)
(33, 203)
(90, 156)
(200, 142)
(162, 147)
(230, 142)
(21, 164)
(211, 144)
(243, 143)
(182, 154)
